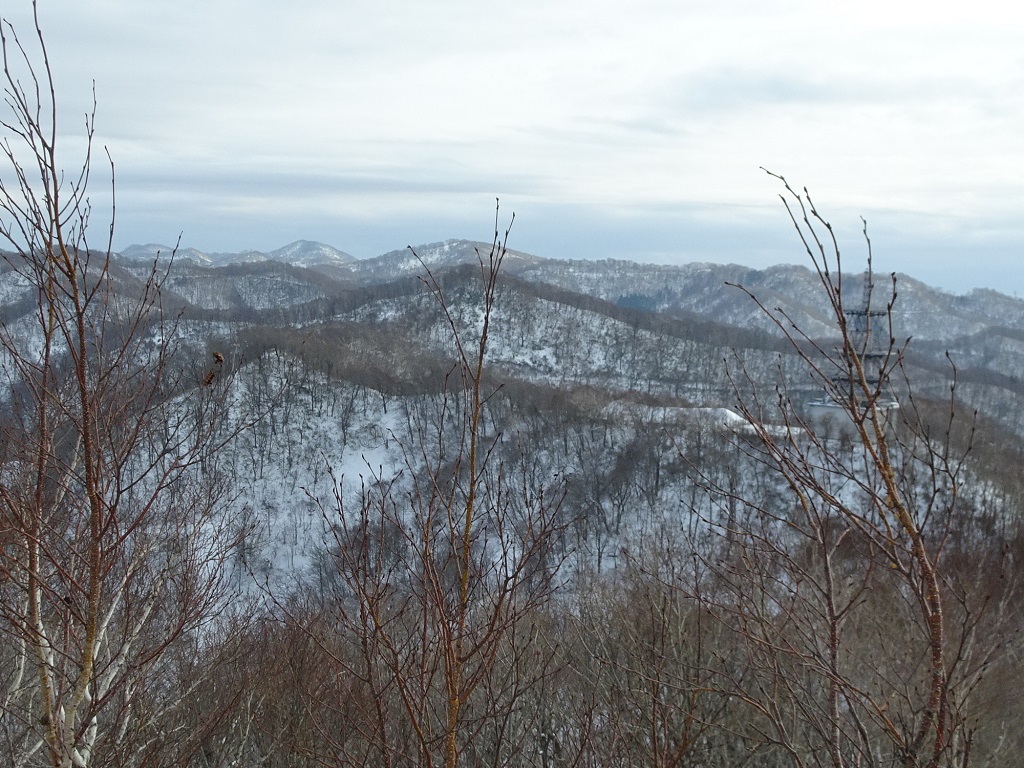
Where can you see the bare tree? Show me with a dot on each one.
(111, 539)
(434, 576)
(866, 641)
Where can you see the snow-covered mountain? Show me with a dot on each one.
(619, 325)
(706, 290)
(151, 252)
(712, 291)
(306, 253)
(301, 253)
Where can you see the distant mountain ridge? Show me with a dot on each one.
(301, 253)
(577, 320)
(701, 289)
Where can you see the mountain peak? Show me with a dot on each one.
(301, 253)
(306, 253)
(158, 252)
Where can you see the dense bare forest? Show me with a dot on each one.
(262, 515)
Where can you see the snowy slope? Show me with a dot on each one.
(305, 253)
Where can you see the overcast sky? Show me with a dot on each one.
(612, 129)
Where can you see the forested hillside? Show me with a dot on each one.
(595, 536)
